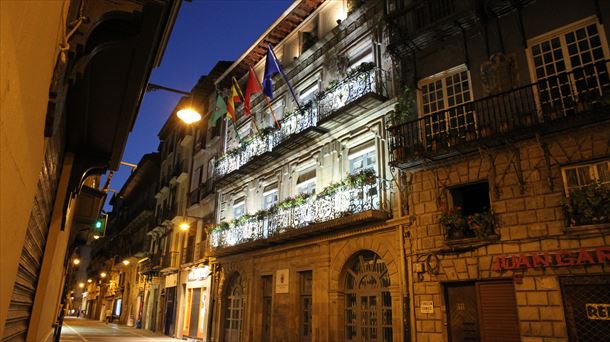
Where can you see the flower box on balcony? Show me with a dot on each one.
(355, 194)
(459, 226)
(589, 205)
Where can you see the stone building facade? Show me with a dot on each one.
(307, 241)
(504, 161)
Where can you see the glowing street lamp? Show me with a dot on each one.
(89, 280)
(76, 261)
(184, 226)
(81, 285)
(188, 115)
(126, 262)
(103, 274)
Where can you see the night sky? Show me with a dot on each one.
(205, 32)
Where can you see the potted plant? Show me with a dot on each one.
(482, 224)
(405, 109)
(588, 205)
(455, 223)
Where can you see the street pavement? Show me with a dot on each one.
(85, 330)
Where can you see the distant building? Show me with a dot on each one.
(123, 252)
(502, 144)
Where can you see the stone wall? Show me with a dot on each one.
(326, 258)
(526, 195)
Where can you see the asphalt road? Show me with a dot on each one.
(84, 330)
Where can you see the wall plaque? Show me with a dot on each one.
(281, 281)
(426, 306)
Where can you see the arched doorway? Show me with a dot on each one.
(234, 310)
(368, 303)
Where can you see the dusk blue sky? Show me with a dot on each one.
(205, 32)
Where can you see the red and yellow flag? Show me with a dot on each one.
(232, 100)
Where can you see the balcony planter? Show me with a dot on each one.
(458, 226)
(589, 205)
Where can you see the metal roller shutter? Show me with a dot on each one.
(497, 311)
(24, 289)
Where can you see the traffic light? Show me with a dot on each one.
(99, 226)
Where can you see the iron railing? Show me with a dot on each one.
(170, 259)
(421, 15)
(187, 254)
(345, 92)
(565, 97)
(316, 209)
(202, 191)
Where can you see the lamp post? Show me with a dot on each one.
(188, 115)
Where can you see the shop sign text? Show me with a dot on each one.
(199, 273)
(599, 255)
(598, 312)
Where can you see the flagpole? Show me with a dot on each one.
(285, 79)
(266, 99)
(243, 99)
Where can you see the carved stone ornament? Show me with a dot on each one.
(499, 74)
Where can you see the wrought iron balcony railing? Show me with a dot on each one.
(170, 259)
(187, 254)
(557, 102)
(329, 103)
(344, 201)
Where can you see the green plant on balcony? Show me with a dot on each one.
(362, 178)
(405, 110)
(459, 226)
(589, 205)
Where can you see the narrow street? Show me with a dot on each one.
(84, 330)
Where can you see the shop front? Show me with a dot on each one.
(196, 303)
(169, 316)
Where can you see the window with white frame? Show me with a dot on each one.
(568, 65)
(365, 57)
(578, 176)
(270, 196)
(306, 183)
(278, 110)
(441, 97)
(362, 158)
(239, 208)
(307, 94)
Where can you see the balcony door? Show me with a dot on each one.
(441, 105)
(570, 68)
(368, 303)
(234, 310)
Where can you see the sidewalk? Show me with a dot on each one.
(86, 330)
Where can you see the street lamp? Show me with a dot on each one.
(76, 261)
(188, 115)
(103, 274)
(81, 285)
(126, 262)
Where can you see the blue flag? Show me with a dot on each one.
(271, 68)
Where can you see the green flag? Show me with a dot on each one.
(219, 111)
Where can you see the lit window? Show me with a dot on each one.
(569, 50)
(441, 97)
(362, 158)
(362, 58)
(239, 208)
(270, 196)
(306, 183)
(576, 177)
(307, 94)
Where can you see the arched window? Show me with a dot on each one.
(234, 310)
(368, 304)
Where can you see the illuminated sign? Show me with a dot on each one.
(581, 257)
(598, 312)
(198, 273)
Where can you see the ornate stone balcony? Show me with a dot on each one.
(350, 203)
(353, 94)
